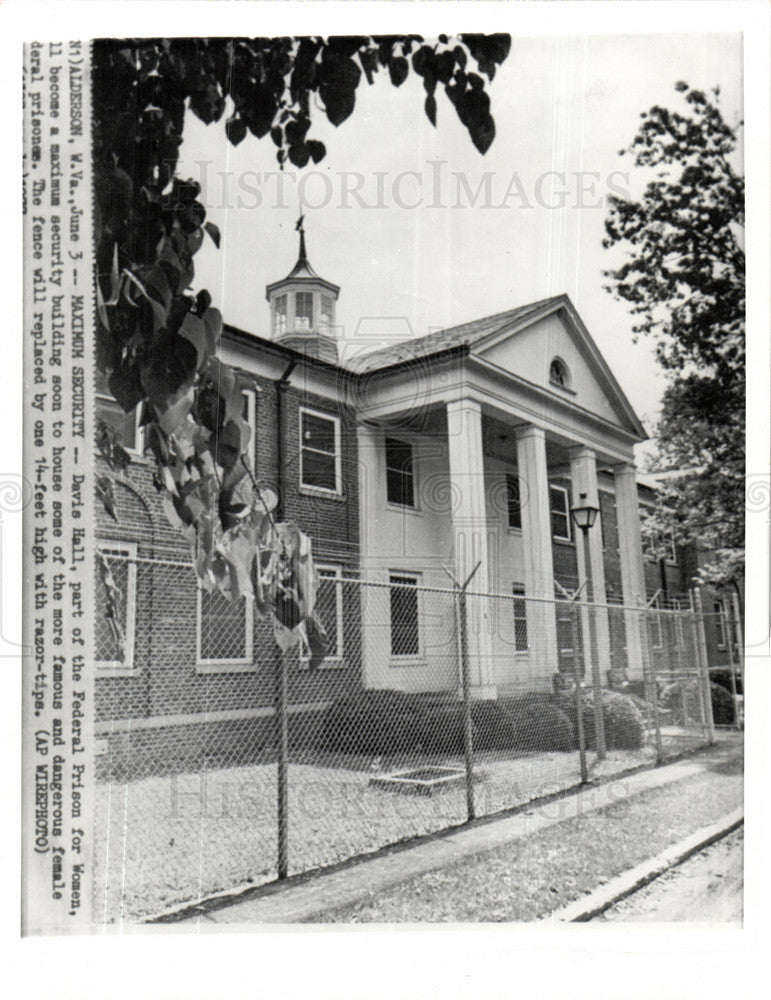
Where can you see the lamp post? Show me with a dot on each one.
(584, 515)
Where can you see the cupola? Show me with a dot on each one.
(302, 308)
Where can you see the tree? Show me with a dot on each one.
(684, 278)
(156, 342)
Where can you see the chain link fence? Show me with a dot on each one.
(224, 764)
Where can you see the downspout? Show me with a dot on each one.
(281, 385)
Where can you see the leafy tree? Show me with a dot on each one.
(156, 341)
(684, 278)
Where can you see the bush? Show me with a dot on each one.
(624, 722)
(387, 722)
(373, 722)
(723, 712)
(526, 723)
(723, 678)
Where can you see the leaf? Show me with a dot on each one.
(105, 493)
(339, 104)
(430, 107)
(398, 70)
(317, 150)
(214, 232)
(235, 130)
(299, 155)
(482, 133)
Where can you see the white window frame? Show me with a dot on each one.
(657, 633)
(566, 381)
(518, 593)
(310, 325)
(332, 662)
(138, 450)
(127, 552)
(565, 512)
(321, 490)
(325, 327)
(394, 505)
(721, 632)
(285, 329)
(405, 659)
(222, 665)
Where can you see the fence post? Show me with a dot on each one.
(739, 632)
(468, 750)
(580, 734)
(282, 753)
(702, 664)
(728, 632)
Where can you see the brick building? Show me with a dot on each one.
(466, 446)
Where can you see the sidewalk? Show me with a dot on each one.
(312, 898)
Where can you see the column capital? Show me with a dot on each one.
(464, 403)
(624, 468)
(524, 431)
(579, 451)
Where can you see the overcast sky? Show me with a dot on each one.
(405, 244)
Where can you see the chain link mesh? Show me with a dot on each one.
(382, 744)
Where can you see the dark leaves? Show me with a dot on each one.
(214, 232)
(398, 69)
(235, 130)
(430, 108)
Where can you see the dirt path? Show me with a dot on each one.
(707, 888)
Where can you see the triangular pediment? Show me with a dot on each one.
(527, 349)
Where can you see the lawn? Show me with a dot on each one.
(530, 878)
(166, 841)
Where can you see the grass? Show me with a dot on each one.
(533, 876)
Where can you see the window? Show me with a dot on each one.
(657, 640)
(405, 630)
(329, 609)
(720, 629)
(327, 314)
(280, 315)
(558, 373)
(520, 618)
(303, 311)
(560, 513)
(116, 608)
(513, 502)
(319, 451)
(125, 424)
(249, 414)
(400, 475)
(224, 631)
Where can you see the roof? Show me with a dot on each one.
(464, 335)
(302, 271)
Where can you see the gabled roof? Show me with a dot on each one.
(480, 333)
(465, 335)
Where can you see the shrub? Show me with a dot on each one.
(372, 721)
(526, 723)
(624, 722)
(723, 713)
(723, 678)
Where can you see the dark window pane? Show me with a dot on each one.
(303, 310)
(400, 488)
(319, 470)
(512, 496)
(223, 627)
(318, 433)
(405, 639)
(520, 619)
(400, 484)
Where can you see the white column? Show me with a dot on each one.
(469, 524)
(537, 545)
(632, 566)
(583, 479)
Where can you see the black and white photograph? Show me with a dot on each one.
(385, 483)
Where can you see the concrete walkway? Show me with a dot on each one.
(310, 898)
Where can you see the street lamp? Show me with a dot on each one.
(584, 515)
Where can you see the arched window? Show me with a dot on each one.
(558, 373)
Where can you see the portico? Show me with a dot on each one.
(497, 459)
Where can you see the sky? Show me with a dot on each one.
(422, 231)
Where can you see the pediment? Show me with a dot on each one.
(527, 351)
